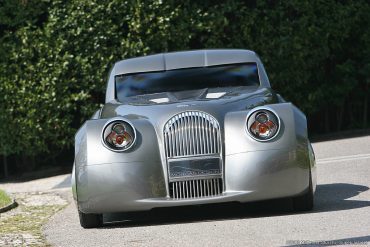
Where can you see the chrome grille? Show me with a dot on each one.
(192, 133)
(195, 188)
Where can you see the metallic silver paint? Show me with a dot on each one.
(137, 179)
(183, 59)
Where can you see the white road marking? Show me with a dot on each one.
(343, 158)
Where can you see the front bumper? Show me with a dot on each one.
(138, 186)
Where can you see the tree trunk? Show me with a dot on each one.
(350, 113)
(18, 165)
(340, 117)
(5, 164)
(32, 162)
(327, 123)
(366, 102)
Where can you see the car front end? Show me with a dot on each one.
(174, 137)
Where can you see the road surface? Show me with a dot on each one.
(341, 215)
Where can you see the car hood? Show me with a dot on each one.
(158, 108)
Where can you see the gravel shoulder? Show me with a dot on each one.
(37, 201)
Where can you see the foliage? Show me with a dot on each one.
(56, 55)
(5, 200)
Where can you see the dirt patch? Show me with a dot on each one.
(40, 199)
(21, 240)
(22, 226)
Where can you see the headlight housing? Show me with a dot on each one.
(263, 124)
(118, 135)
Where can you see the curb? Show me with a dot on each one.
(11, 205)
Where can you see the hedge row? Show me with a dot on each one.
(55, 57)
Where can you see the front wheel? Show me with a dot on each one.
(90, 220)
(304, 202)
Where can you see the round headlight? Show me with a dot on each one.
(119, 135)
(263, 124)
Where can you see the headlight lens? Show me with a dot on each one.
(119, 135)
(263, 125)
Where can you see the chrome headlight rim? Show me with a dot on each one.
(110, 124)
(256, 111)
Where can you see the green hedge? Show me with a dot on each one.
(55, 57)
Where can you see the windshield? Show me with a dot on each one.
(231, 75)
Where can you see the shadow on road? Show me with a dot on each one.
(64, 184)
(334, 197)
(360, 241)
(328, 197)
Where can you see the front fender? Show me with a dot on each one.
(90, 153)
(288, 156)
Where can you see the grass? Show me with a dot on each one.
(23, 227)
(29, 221)
(4, 199)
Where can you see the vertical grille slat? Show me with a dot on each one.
(180, 190)
(187, 135)
(201, 138)
(211, 186)
(184, 133)
(174, 126)
(208, 141)
(187, 189)
(214, 138)
(196, 188)
(173, 146)
(196, 133)
(181, 130)
(192, 133)
(175, 193)
(193, 188)
(210, 136)
(201, 188)
(168, 142)
(203, 134)
(215, 186)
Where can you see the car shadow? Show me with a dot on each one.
(328, 197)
(360, 241)
(334, 197)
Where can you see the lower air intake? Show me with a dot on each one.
(196, 188)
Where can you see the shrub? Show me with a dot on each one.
(56, 56)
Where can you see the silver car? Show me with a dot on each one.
(191, 127)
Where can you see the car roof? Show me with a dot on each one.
(180, 60)
(183, 59)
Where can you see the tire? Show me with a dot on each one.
(304, 202)
(90, 220)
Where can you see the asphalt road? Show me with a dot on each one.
(341, 215)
